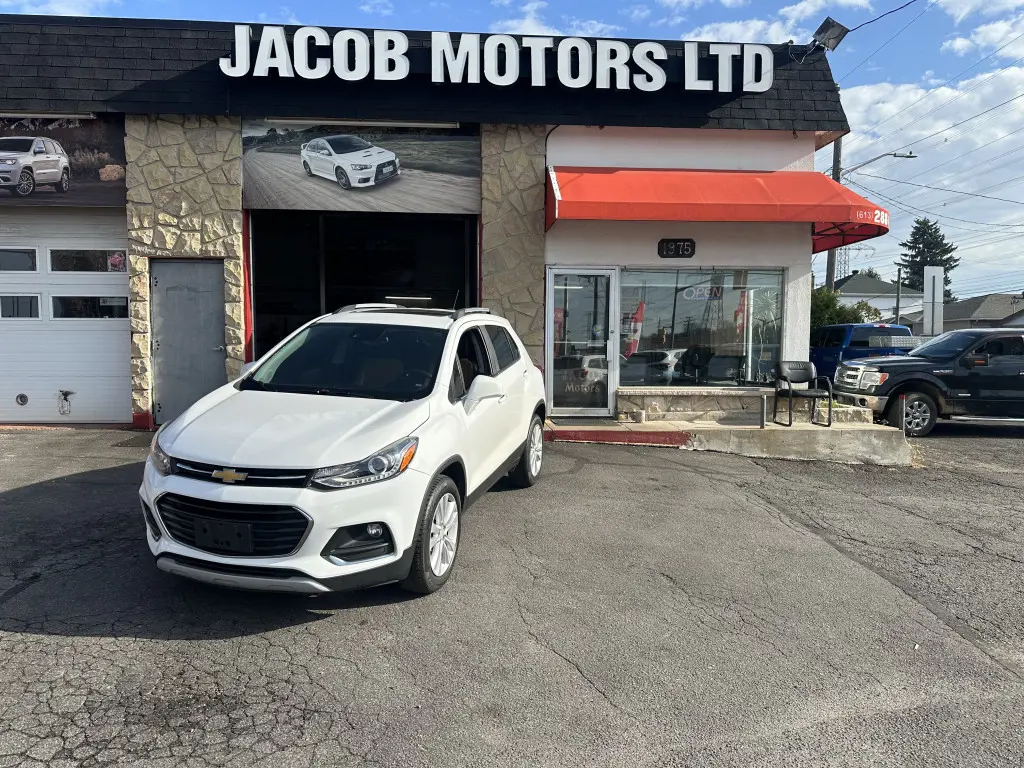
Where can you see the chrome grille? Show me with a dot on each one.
(276, 530)
(848, 377)
(274, 478)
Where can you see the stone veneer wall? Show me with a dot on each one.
(184, 179)
(512, 261)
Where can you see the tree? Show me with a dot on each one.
(826, 309)
(868, 314)
(871, 272)
(927, 247)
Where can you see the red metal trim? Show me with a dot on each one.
(246, 288)
(143, 421)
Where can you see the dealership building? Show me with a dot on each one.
(177, 196)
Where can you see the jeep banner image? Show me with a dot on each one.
(291, 165)
(62, 161)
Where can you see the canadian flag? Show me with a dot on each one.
(635, 324)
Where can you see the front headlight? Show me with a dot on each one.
(161, 461)
(383, 465)
(873, 378)
(360, 167)
(8, 161)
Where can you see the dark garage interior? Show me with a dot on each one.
(308, 263)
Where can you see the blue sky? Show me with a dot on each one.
(938, 88)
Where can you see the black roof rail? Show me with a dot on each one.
(357, 307)
(471, 311)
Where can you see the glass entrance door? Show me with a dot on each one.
(581, 341)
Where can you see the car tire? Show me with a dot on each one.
(527, 470)
(64, 185)
(921, 414)
(436, 518)
(342, 177)
(26, 184)
(306, 168)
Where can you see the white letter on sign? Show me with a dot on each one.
(751, 55)
(320, 67)
(389, 59)
(241, 66)
(361, 54)
(537, 46)
(725, 52)
(273, 54)
(691, 80)
(443, 57)
(644, 56)
(586, 62)
(612, 56)
(491, 59)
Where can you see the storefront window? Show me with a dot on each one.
(699, 327)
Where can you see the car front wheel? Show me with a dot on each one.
(65, 182)
(342, 178)
(437, 538)
(528, 469)
(306, 168)
(26, 184)
(920, 414)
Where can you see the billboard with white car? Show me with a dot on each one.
(62, 161)
(289, 165)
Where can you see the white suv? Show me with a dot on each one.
(345, 457)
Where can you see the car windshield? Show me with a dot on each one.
(382, 362)
(15, 145)
(343, 144)
(947, 345)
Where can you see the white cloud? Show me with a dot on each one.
(749, 31)
(378, 7)
(530, 23)
(886, 117)
(990, 37)
(817, 8)
(502, 3)
(958, 45)
(961, 9)
(637, 13)
(591, 28)
(283, 16)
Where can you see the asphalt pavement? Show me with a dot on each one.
(639, 606)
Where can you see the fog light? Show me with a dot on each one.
(376, 530)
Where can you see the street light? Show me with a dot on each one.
(898, 155)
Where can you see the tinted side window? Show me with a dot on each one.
(1002, 346)
(49, 148)
(505, 350)
(834, 337)
(472, 357)
(817, 337)
(457, 388)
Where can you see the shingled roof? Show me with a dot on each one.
(71, 64)
(859, 284)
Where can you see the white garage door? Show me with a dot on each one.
(65, 341)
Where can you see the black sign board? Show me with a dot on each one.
(677, 249)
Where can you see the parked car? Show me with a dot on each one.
(350, 161)
(976, 374)
(30, 162)
(653, 366)
(831, 345)
(346, 457)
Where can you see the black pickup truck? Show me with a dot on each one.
(974, 374)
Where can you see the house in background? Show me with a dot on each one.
(880, 294)
(993, 310)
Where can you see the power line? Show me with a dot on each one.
(900, 32)
(943, 189)
(887, 13)
(904, 206)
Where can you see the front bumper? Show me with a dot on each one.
(9, 174)
(875, 402)
(372, 177)
(395, 503)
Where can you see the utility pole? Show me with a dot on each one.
(837, 169)
(899, 291)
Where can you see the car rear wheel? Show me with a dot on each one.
(64, 184)
(306, 168)
(437, 538)
(528, 469)
(26, 184)
(343, 178)
(921, 413)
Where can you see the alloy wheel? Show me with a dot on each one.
(536, 449)
(343, 178)
(26, 183)
(917, 416)
(65, 181)
(444, 534)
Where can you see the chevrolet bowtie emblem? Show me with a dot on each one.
(229, 475)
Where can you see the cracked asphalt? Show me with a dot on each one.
(639, 606)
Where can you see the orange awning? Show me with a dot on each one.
(838, 216)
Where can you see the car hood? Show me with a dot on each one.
(376, 154)
(890, 362)
(15, 155)
(272, 430)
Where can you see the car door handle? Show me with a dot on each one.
(503, 398)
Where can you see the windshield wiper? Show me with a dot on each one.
(338, 392)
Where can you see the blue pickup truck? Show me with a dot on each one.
(832, 345)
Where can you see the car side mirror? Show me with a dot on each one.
(483, 388)
(975, 361)
(38, 151)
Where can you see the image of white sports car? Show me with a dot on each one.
(349, 160)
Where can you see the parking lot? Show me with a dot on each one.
(638, 606)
